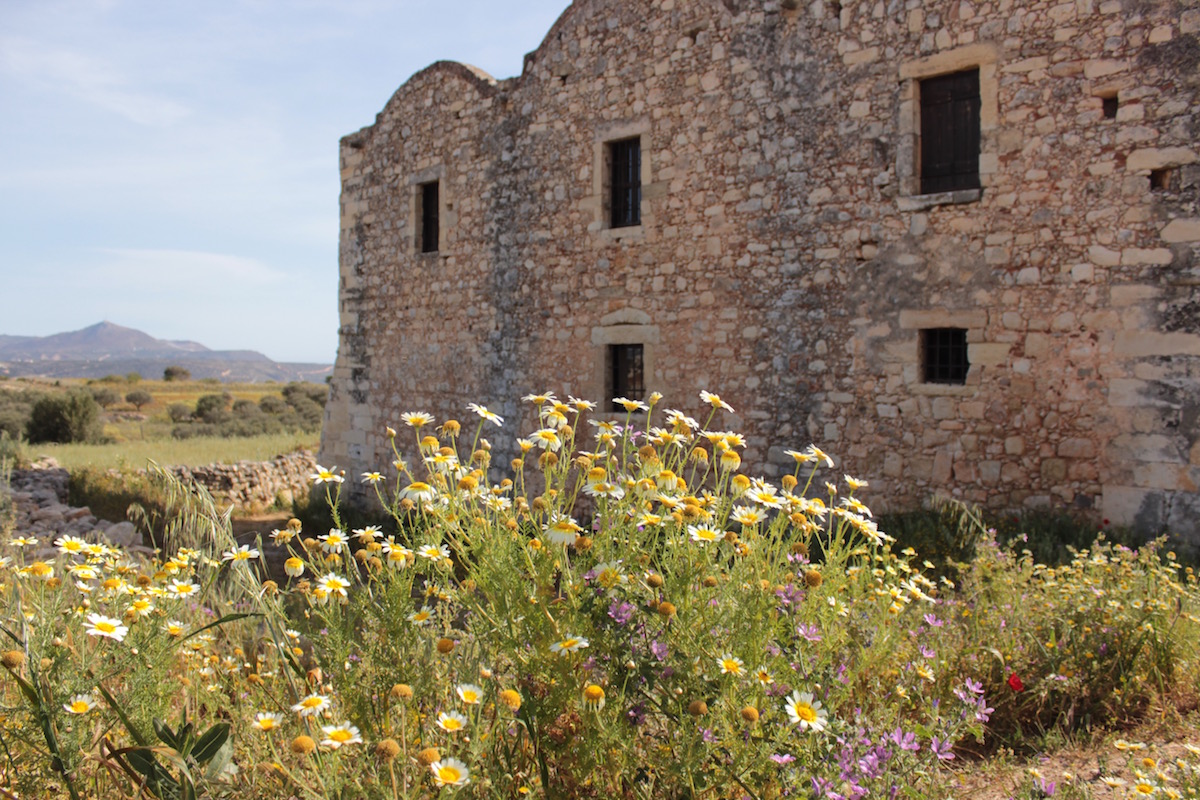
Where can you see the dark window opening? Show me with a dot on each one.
(1160, 179)
(429, 217)
(625, 183)
(944, 356)
(1110, 106)
(625, 373)
(950, 132)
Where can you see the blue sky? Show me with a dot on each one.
(172, 166)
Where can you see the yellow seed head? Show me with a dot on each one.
(512, 699)
(451, 427)
(654, 581)
(583, 543)
(666, 609)
(445, 646)
(387, 750)
(813, 578)
(402, 691)
(710, 581)
(697, 708)
(12, 659)
(750, 714)
(428, 756)
(303, 745)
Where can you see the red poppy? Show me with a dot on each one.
(1015, 684)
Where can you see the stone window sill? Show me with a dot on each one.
(919, 202)
(944, 389)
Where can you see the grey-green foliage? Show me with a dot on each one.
(73, 416)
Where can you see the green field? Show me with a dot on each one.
(131, 436)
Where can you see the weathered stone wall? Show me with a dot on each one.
(785, 259)
(254, 485)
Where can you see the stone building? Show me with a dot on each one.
(952, 242)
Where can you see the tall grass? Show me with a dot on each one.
(175, 452)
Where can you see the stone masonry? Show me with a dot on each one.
(786, 257)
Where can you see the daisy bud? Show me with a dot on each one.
(697, 708)
(750, 714)
(387, 750)
(391, 432)
(445, 647)
(12, 659)
(303, 745)
(654, 581)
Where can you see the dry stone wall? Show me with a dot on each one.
(255, 485)
(38, 498)
(786, 258)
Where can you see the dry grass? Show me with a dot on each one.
(174, 452)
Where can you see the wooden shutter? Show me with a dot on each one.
(950, 132)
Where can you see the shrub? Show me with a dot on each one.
(176, 373)
(270, 404)
(179, 412)
(73, 416)
(133, 377)
(139, 398)
(105, 396)
(213, 408)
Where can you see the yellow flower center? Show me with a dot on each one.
(80, 706)
(805, 712)
(311, 702)
(341, 736)
(449, 774)
(105, 627)
(451, 724)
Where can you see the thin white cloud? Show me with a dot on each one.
(86, 78)
(182, 270)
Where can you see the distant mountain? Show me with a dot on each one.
(106, 349)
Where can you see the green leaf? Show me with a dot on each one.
(128, 723)
(221, 621)
(165, 734)
(210, 743)
(220, 760)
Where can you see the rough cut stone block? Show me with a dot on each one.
(1182, 230)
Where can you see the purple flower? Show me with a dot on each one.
(944, 750)
(974, 686)
(933, 622)
(636, 714)
(620, 611)
(707, 735)
(809, 632)
(905, 740)
(659, 650)
(781, 759)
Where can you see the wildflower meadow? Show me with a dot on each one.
(624, 614)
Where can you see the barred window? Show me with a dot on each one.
(625, 182)
(427, 198)
(626, 374)
(944, 356)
